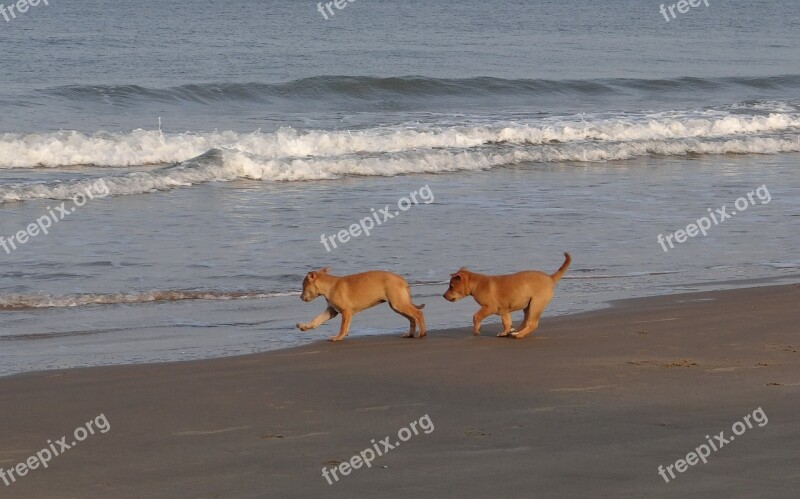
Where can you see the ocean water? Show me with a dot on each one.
(201, 152)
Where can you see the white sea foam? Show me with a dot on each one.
(17, 301)
(227, 165)
(142, 147)
(289, 155)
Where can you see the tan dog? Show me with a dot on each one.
(500, 295)
(349, 295)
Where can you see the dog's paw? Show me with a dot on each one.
(302, 327)
(503, 334)
(408, 335)
(335, 338)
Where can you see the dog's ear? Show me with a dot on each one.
(456, 276)
(458, 272)
(311, 276)
(325, 270)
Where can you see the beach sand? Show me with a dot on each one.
(588, 407)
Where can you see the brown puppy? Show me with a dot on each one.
(500, 295)
(349, 295)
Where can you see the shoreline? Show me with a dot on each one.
(591, 404)
(491, 322)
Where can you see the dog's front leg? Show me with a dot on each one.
(478, 318)
(327, 315)
(347, 316)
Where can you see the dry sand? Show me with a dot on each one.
(588, 407)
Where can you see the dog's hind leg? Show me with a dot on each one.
(412, 326)
(532, 315)
(527, 316)
(507, 324)
(401, 302)
(420, 320)
(414, 316)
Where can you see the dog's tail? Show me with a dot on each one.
(419, 307)
(561, 271)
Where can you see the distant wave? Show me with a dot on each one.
(21, 302)
(371, 89)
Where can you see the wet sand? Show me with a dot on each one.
(588, 407)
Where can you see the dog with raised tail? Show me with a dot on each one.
(351, 294)
(500, 295)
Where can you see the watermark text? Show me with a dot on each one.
(19, 7)
(719, 441)
(717, 216)
(54, 215)
(378, 449)
(365, 225)
(682, 6)
(42, 458)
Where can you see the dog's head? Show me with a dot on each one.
(458, 286)
(310, 288)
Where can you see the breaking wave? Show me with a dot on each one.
(143, 147)
(171, 161)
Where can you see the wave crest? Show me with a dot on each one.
(142, 147)
(290, 155)
(352, 89)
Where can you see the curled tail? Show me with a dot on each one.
(419, 307)
(561, 271)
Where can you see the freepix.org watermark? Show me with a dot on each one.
(682, 6)
(717, 216)
(365, 225)
(366, 456)
(43, 457)
(42, 225)
(19, 7)
(339, 4)
(702, 452)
